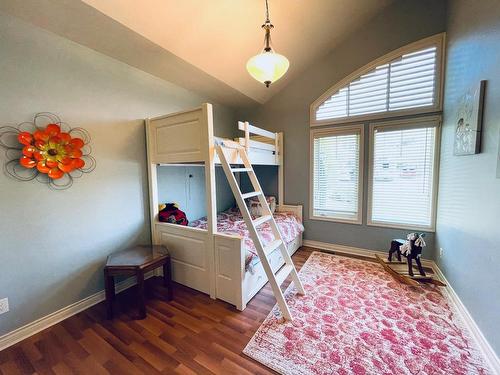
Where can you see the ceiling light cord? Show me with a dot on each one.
(267, 26)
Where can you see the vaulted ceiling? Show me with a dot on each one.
(203, 45)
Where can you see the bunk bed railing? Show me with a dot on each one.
(265, 139)
(247, 128)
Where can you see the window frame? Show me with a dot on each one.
(436, 40)
(349, 129)
(405, 123)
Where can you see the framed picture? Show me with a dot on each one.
(469, 121)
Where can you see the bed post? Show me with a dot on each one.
(153, 186)
(210, 190)
(280, 154)
(247, 136)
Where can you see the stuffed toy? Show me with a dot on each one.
(256, 209)
(170, 213)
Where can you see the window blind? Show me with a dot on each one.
(336, 175)
(403, 176)
(412, 80)
(404, 83)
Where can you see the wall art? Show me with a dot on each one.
(469, 121)
(47, 150)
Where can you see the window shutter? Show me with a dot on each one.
(413, 80)
(368, 94)
(336, 175)
(335, 106)
(403, 170)
(403, 83)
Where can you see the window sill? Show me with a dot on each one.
(336, 220)
(430, 229)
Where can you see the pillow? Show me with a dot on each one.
(255, 207)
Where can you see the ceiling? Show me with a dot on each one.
(203, 45)
(219, 36)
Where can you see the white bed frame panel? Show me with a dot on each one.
(187, 129)
(189, 249)
(211, 262)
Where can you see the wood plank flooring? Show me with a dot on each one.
(193, 334)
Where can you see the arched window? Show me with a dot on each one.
(405, 81)
(402, 152)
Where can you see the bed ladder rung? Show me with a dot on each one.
(251, 194)
(236, 170)
(271, 246)
(283, 273)
(261, 220)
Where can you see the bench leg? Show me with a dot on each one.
(140, 295)
(167, 279)
(109, 286)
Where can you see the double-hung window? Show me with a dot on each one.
(403, 173)
(337, 173)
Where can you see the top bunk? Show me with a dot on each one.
(187, 137)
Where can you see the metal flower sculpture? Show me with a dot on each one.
(48, 150)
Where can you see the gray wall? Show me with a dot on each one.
(469, 194)
(186, 187)
(401, 23)
(53, 244)
(268, 180)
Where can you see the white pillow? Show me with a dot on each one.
(255, 207)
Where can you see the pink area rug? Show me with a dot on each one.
(356, 319)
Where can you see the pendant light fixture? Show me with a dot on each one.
(268, 66)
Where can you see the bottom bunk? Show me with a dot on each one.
(227, 266)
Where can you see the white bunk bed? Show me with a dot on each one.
(205, 260)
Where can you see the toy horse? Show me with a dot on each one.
(411, 249)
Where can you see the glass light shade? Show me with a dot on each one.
(267, 67)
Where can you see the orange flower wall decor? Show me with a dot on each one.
(48, 150)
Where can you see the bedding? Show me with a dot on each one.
(231, 222)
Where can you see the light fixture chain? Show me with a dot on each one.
(267, 12)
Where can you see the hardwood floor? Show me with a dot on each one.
(193, 334)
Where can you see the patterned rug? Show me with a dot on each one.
(356, 319)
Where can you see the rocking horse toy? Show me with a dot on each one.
(411, 248)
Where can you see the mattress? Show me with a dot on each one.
(231, 222)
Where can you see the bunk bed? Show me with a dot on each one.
(203, 257)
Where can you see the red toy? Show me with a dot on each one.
(170, 213)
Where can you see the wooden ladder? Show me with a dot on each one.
(275, 278)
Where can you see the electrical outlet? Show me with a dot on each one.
(441, 252)
(4, 305)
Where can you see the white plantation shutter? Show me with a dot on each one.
(404, 83)
(412, 80)
(334, 107)
(403, 173)
(336, 174)
(368, 94)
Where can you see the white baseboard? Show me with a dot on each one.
(38, 325)
(483, 344)
(356, 251)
